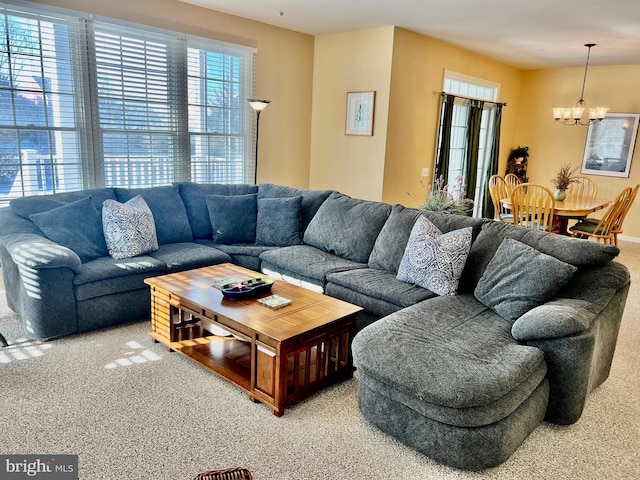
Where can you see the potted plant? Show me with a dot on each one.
(562, 180)
(441, 197)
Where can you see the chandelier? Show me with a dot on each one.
(573, 115)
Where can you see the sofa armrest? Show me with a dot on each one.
(558, 318)
(37, 252)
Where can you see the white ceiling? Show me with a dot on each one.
(526, 34)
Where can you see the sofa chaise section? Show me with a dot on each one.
(446, 377)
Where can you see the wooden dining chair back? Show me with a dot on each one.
(533, 206)
(236, 473)
(617, 224)
(606, 229)
(582, 187)
(498, 191)
(512, 181)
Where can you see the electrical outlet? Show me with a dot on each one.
(425, 172)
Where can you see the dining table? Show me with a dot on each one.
(571, 208)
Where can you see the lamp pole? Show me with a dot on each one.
(257, 106)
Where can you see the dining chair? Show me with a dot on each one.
(582, 187)
(617, 227)
(237, 473)
(607, 228)
(512, 180)
(533, 206)
(498, 191)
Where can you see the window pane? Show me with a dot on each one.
(135, 104)
(219, 120)
(39, 141)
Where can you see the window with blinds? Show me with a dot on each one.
(41, 131)
(88, 103)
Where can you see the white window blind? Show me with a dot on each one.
(140, 107)
(220, 125)
(42, 142)
(89, 103)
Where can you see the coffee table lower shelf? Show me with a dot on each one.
(282, 374)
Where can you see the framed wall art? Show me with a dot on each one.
(610, 144)
(360, 110)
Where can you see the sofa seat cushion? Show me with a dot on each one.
(245, 255)
(381, 285)
(451, 357)
(347, 227)
(239, 249)
(106, 275)
(305, 263)
(186, 256)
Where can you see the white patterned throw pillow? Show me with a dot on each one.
(434, 260)
(129, 228)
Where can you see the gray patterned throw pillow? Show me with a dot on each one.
(434, 260)
(129, 228)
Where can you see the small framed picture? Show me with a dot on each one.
(610, 144)
(360, 110)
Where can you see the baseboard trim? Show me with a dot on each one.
(626, 238)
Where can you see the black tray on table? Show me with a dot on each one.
(247, 289)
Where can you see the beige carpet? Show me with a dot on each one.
(131, 410)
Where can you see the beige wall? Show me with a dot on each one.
(418, 68)
(350, 62)
(406, 69)
(284, 73)
(552, 144)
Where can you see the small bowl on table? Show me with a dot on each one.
(247, 289)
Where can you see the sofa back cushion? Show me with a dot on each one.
(578, 253)
(311, 199)
(76, 225)
(233, 218)
(279, 221)
(391, 242)
(169, 213)
(347, 227)
(519, 278)
(26, 206)
(194, 198)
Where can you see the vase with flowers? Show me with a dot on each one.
(442, 197)
(562, 180)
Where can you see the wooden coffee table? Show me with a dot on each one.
(277, 356)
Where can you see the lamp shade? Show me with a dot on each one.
(258, 105)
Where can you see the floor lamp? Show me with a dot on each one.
(258, 106)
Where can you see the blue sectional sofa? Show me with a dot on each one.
(463, 378)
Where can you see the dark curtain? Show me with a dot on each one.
(442, 163)
(474, 123)
(492, 167)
